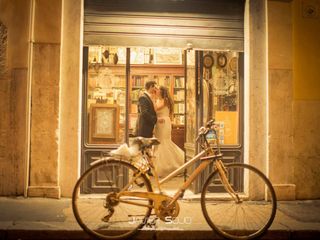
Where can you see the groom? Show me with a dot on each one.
(147, 116)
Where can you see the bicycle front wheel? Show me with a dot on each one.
(96, 207)
(247, 217)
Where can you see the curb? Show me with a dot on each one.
(153, 234)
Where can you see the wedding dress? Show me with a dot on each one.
(168, 155)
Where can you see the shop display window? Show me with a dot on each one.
(221, 93)
(107, 85)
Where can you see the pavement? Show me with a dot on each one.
(43, 218)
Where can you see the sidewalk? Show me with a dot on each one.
(41, 218)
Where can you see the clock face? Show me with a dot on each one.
(207, 61)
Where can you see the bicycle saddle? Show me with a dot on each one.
(125, 151)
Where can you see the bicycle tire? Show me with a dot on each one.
(91, 207)
(248, 219)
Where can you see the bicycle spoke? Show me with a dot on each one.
(244, 219)
(99, 212)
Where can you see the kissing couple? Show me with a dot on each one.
(155, 111)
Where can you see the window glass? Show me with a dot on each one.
(221, 93)
(163, 65)
(106, 95)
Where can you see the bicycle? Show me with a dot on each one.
(238, 213)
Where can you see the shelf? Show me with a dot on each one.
(122, 88)
(137, 87)
(157, 69)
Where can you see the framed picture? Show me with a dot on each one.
(167, 56)
(104, 123)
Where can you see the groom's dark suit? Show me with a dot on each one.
(147, 116)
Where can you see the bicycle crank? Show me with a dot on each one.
(165, 210)
(161, 203)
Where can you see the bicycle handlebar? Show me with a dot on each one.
(204, 130)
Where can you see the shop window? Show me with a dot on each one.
(221, 93)
(106, 95)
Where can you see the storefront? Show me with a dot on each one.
(47, 91)
(196, 51)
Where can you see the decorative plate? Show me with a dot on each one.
(208, 61)
(222, 60)
(233, 64)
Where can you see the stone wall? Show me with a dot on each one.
(14, 15)
(40, 135)
(306, 148)
(45, 104)
(280, 98)
(294, 94)
(4, 106)
(71, 89)
(255, 88)
(306, 98)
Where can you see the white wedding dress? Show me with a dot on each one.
(168, 155)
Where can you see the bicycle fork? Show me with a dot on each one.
(224, 179)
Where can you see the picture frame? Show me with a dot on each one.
(167, 56)
(104, 123)
(222, 60)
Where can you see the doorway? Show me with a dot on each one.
(214, 90)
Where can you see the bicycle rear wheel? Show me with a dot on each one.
(245, 219)
(95, 207)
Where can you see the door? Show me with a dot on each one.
(214, 81)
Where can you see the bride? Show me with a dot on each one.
(168, 155)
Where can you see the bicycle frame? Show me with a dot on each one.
(194, 174)
(158, 197)
(206, 156)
